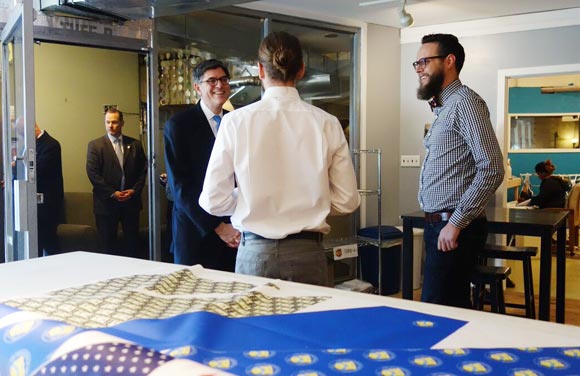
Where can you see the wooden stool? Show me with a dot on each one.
(523, 254)
(494, 277)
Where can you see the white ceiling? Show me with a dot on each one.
(425, 12)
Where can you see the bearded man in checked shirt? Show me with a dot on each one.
(462, 169)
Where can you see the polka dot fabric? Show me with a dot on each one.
(106, 359)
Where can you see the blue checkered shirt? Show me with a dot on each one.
(463, 166)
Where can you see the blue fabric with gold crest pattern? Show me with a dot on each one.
(382, 327)
(393, 342)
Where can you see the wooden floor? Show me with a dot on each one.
(515, 295)
(572, 310)
(572, 307)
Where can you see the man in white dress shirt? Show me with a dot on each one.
(279, 167)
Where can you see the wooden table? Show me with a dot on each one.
(540, 223)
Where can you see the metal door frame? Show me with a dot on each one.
(25, 205)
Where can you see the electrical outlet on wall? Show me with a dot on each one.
(410, 161)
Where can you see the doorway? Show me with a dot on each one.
(545, 76)
(73, 85)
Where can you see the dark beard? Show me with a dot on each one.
(432, 88)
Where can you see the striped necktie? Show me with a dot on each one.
(119, 152)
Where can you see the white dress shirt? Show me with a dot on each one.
(113, 138)
(209, 115)
(291, 163)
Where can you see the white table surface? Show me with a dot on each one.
(484, 330)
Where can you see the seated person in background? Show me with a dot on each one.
(550, 167)
(552, 189)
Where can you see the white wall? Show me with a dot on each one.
(485, 55)
(381, 121)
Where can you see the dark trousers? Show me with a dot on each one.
(108, 228)
(190, 248)
(166, 253)
(447, 275)
(47, 224)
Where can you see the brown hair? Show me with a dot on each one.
(448, 45)
(113, 110)
(281, 56)
(206, 65)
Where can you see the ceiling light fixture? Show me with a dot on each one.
(405, 19)
(559, 89)
(374, 2)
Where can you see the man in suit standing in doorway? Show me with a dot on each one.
(49, 185)
(198, 237)
(117, 168)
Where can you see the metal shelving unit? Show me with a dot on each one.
(378, 242)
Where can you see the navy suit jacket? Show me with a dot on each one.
(105, 173)
(189, 141)
(188, 144)
(49, 180)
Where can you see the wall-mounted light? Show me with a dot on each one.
(559, 89)
(405, 19)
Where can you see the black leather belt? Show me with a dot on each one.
(443, 216)
(438, 216)
(307, 235)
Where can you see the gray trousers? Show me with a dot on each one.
(297, 260)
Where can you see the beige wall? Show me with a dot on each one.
(72, 85)
(382, 119)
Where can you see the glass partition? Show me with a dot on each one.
(544, 132)
(233, 35)
(185, 41)
(328, 56)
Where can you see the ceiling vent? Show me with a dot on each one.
(79, 9)
(123, 10)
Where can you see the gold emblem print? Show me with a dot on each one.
(112, 302)
(455, 352)
(572, 353)
(393, 371)
(426, 361)
(380, 355)
(222, 363)
(475, 368)
(302, 359)
(553, 363)
(19, 330)
(264, 369)
(346, 366)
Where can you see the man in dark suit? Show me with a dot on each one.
(198, 237)
(117, 186)
(49, 186)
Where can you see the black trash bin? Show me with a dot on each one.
(391, 259)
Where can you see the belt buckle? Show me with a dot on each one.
(438, 217)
